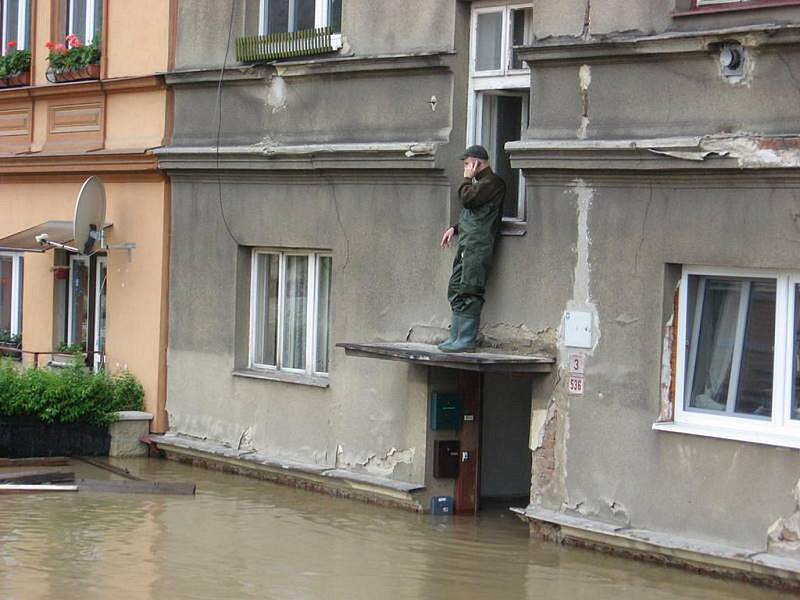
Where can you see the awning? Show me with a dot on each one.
(424, 354)
(25, 240)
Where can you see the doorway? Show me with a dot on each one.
(495, 455)
(505, 468)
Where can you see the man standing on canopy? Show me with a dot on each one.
(481, 194)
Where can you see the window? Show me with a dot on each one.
(101, 277)
(290, 311)
(278, 16)
(499, 92)
(16, 23)
(738, 362)
(688, 7)
(78, 302)
(11, 279)
(85, 19)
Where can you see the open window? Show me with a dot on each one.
(15, 16)
(499, 95)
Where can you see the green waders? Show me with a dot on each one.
(478, 228)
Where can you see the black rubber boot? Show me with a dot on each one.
(467, 335)
(455, 321)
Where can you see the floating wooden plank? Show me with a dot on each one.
(16, 488)
(109, 467)
(42, 461)
(31, 477)
(136, 487)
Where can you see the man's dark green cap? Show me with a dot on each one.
(475, 152)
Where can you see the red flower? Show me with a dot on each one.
(12, 44)
(49, 45)
(60, 49)
(73, 41)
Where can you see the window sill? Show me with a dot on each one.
(721, 8)
(754, 437)
(514, 228)
(319, 381)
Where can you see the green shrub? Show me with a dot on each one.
(69, 395)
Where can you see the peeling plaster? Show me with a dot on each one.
(783, 536)
(584, 81)
(278, 90)
(246, 440)
(384, 465)
(619, 512)
(626, 319)
(666, 406)
(756, 151)
(581, 287)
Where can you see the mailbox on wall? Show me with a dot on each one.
(447, 455)
(445, 411)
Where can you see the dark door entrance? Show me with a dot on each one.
(505, 469)
(495, 465)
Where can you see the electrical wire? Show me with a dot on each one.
(219, 122)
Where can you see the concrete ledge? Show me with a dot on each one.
(756, 566)
(320, 478)
(126, 431)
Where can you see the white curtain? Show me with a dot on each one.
(295, 304)
(715, 345)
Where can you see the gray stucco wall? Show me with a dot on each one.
(368, 28)
(632, 223)
(600, 237)
(366, 411)
(616, 468)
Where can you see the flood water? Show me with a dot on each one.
(240, 538)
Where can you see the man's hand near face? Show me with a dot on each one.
(471, 167)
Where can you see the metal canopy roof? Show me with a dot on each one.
(25, 240)
(431, 356)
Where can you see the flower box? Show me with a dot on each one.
(72, 60)
(16, 80)
(79, 74)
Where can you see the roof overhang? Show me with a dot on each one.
(425, 354)
(25, 240)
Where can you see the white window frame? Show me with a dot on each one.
(311, 310)
(16, 291)
(22, 25)
(321, 14)
(91, 6)
(780, 429)
(504, 80)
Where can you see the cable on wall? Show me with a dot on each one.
(219, 122)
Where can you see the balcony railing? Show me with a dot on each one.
(259, 48)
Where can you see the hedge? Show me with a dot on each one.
(69, 395)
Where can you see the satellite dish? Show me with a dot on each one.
(90, 214)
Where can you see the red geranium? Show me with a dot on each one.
(73, 41)
(12, 44)
(49, 45)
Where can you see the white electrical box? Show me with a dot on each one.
(577, 329)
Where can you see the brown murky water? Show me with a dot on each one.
(240, 538)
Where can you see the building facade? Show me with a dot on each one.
(641, 314)
(54, 134)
